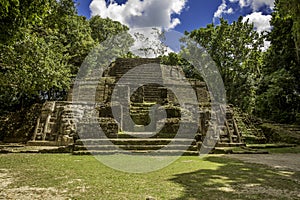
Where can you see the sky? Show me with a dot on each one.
(179, 15)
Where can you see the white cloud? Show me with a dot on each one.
(148, 43)
(254, 4)
(222, 10)
(141, 13)
(229, 11)
(261, 22)
(257, 4)
(267, 44)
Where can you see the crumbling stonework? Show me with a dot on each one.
(60, 122)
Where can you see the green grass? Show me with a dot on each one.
(212, 177)
(295, 149)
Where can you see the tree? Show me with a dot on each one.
(236, 50)
(103, 28)
(43, 43)
(291, 9)
(36, 61)
(34, 67)
(279, 91)
(71, 30)
(17, 14)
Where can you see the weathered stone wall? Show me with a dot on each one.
(60, 122)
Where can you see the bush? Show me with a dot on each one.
(19, 126)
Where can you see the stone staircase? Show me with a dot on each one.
(141, 141)
(136, 146)
(249, 127)
(165, 142)
(231, 134)
(91, 104)
(122, 67)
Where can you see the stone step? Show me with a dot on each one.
(224, 140)
(149, 73)
(152, 92)
(140, 152)
(141, 106)
(266, 146)
(151, 99)
(136, 141)
(149, 70)
(89, 135)
(220, 144)
(135, 147)
(139, 111)
(147, 78)
(150, 135)
(42, 143)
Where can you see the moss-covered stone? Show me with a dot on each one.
(278, 134)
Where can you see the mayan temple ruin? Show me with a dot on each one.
(132, 125)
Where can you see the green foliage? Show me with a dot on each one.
(33, 65)
(279, 91)
(19, 126)
(42, 45)
(235, 48)
(16, 14)
(174, 59)
(44, 42)
(278, 98)
(71, 30)
(104, 28)
(291, 9)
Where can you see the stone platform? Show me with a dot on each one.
(73, 122)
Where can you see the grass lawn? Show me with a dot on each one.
(63, 176)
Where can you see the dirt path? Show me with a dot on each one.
(279, 161)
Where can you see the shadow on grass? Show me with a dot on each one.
(234, 179)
